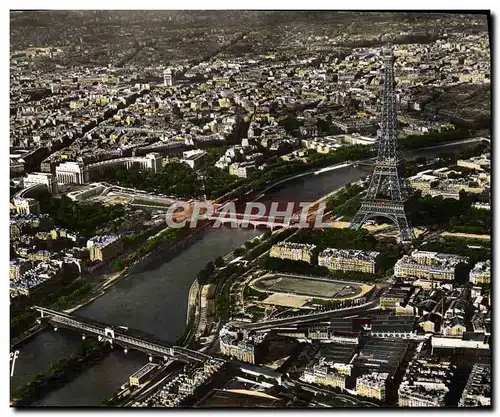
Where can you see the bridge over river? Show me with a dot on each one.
(121, 336)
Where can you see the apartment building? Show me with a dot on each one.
(372, 385)
(392, 299)
(349, 260)
(481, 273)
(242, 169)
(429, 265)
(322, 145)
(425, 383)
(104, 248)
(323, 375)
(18, 267)
(241, 345)
(241, 350)
(193, 158)
(477, 392)
(397, 295)
(419, 396)
(152, 161)
(293, 251)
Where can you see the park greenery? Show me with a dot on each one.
(340, 198)
(337, 238)
(223, 305)
(75, 292)
(459, 247)
(256, 312)
(450, 214)
(432, 139)
(251, 292)
(211, 275)
(345, 203)
(60, 373)
(20, 321)
(293, 267)
(84, 219)
(239, 251)
(348, 210)
(175, 179)
(344, 154)
(178, 179)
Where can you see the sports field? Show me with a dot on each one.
(306, 286)
(286, 300)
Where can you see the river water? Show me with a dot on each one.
(155, 299)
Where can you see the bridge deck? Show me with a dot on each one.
(131, 337)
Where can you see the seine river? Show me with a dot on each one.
(155, 299)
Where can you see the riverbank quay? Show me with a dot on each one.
(167, 251)
(32, 332)
(163, 253)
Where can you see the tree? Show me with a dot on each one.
(249, 244)
(210, 267)
(203, 276)
(267, 234)
(290, 123)
(239, 251)
(119, 265)
(219, 262)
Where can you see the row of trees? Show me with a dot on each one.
(293, 267)
(169, 235)
(75, 293)
(341, 197)
(412, 167)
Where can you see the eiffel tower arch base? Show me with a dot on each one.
(394, 211)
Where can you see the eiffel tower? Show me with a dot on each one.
(385, 195)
